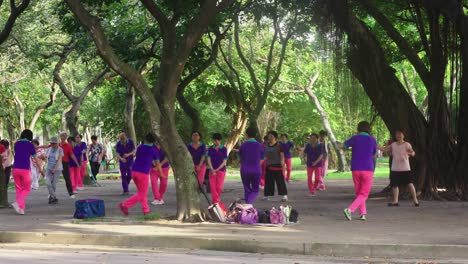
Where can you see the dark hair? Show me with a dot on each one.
(150, 138)
(79, 135)
(195, 131)
(217, 136)
(93, 137)
(35, 141)
(251, 132)
(27, 134)
(364, 126)
(5, 143)
(314, 135)
(323, 133)
(399, 130)
(285, 135)
(273, 133)
(265, 138)
(72, 139)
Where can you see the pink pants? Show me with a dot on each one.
(158, 193)
(23, 185)
(262, 179)
(362, 185)
(201, 173)
(141, 182)
(287, 170)
(216, 185)
(324, 173)
(75, 176)
(82, 173)
(317, 179)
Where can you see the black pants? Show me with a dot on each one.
(271, 177)
(66, 176)
(94, 170)
(7, 175)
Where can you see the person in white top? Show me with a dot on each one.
(400, 172)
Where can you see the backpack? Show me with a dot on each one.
(248, 216)
(286, 210)
(264, 217)
(276, 216)
(89, 208)
(294, 216)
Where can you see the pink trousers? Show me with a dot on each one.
(141, 182)
(75, 176)
(287, 170)
(324, 173)
(201, 173)
(23, 185)
(216, 185)
(155, 176)
(317, 172)
(362, 185)
(82, 173)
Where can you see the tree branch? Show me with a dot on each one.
(15, 12)
(58, 79)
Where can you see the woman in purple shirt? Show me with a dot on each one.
(23, 150)
(217, 158)
(364, 148)
(159, 172)
(146, 156)
(198, 151)
(314, 152)
(286, 146)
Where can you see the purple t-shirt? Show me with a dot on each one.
(286, 147)
(217, 156)
(251, 153)
(77, 152)
(84, 148)
(197, 153)
(145, 155)
(23, 152)
(162, 157)
(123, 149)
(364, 148)
(313, 153)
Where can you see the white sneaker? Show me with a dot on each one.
(16, 208)
(21, 211)
(155, 202)
(312, 194)
(161, 202)
(285, 198)
(80, 188)
(72, 196)
(266, 198)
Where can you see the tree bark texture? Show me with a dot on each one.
(239, 122)
(129, 111)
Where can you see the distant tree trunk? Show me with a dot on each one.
(408, 85)
(190, 111)
(45, 133)
(342, 164)
(239, 122)
(129, 112)
(11, 131)
(64, 118)
(42, 107)
(20, 111)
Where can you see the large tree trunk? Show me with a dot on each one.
(45, 133)
(71, 118)
(129, 112)
(239, 122)
(367, 62)
(326, 124)
(190, 111)
(20, 111)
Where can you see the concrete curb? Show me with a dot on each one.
(248, 246)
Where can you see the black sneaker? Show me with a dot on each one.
(55, 201)
(50, 199)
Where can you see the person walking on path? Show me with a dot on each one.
(251, 154)
(198, 152)
(274, 168)
(67, 156)
(6, 160)
(36, 165)
(364, 148)
(160, 173)
(217, 158)
(54, 155)
(23, 150)
(400, 173)
(96, 152)
(84, 161)
(75, 166)
(146, 157)
(327, 156)
(125, 149)
(262, 179)
(314, 152)
(286, 146)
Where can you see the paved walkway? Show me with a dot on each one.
(436, 229)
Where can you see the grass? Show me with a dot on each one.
(148, 217)
(298, 172)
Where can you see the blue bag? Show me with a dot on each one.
(89, 208)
